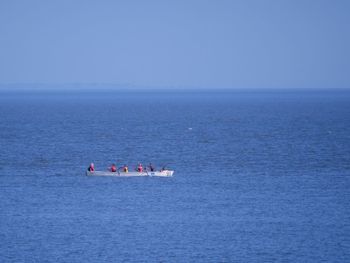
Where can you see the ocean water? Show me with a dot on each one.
(259, 176)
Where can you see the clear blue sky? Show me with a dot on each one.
(209, 44)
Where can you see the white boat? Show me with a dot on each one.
(163, 173)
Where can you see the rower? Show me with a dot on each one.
(91, 167)
(139, 168)
(151, 167)
(113, 168)
(125, 168)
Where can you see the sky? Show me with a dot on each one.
(177, 44)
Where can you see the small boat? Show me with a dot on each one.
(163, 173)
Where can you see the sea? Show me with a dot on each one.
(260, 176)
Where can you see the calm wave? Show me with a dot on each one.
(259, 177)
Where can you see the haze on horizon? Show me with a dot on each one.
(198, 44)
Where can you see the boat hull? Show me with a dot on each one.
(165, 173)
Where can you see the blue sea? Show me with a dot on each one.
(260, 176)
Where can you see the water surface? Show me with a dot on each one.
(259, 177)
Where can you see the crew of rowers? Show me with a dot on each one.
(125, 168)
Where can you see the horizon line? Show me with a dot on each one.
(105, 86)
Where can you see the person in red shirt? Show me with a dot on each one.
(91, 167)
(113, 168)
(139, 168)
